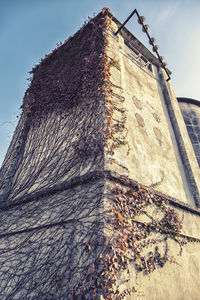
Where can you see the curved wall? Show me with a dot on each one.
(190, 109)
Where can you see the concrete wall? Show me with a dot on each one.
(56, 148)
(158, 149)
(150, 153)
(179, 278)
(43, 241)
(175, 281)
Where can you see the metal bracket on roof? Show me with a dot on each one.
(140, 21)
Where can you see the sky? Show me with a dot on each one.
(29, 29)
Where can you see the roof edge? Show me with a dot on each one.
(188, 100)
(126, 34)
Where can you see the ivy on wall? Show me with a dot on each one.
(137, 222)
(72, 72)
(131, 244)
(127, 238)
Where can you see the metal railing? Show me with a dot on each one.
(140, 21)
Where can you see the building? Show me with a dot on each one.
(190, 109)
(100, 186)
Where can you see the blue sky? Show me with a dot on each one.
(29, 29)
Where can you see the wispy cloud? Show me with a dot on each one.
(166, 12)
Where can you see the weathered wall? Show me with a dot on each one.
(61, 131)
(150, 152)
(175, 281)
(183, 141)
(178, 279)
(57, 147)
(44, 241)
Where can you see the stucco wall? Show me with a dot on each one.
(176, 280)
(57, 147)
(151, 152)
(44, 242)
(179, 278)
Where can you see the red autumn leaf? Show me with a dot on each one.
(91, 268)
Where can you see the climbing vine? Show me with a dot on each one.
(74, 71)
(60, 83)
(132, 244)
(115, 114)
(86, 242)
